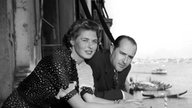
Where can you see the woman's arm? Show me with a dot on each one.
(92, 101)
(77, 102)
(92, 98)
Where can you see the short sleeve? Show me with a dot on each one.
(86, 90)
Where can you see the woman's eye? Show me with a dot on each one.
(85, 40)
(95, 41)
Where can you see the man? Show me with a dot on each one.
(111, 68)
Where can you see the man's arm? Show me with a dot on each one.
(102, 87)
(113, 94)
(128, 93)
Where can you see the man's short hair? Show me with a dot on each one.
(121, 37)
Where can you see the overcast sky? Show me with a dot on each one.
(162, 28)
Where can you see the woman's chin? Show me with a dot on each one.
(88, 56)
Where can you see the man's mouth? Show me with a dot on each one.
(121, 65)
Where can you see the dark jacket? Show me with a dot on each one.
(103, 73)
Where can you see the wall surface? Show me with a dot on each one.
(24, 31)
(19, 41)
(7, 58)
(66, 15)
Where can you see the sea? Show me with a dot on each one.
(179, 75)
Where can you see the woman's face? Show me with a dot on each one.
(85, 44)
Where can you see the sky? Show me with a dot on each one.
(161, 28)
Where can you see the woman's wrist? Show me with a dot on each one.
(69, 95)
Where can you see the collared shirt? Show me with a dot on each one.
(116, 82)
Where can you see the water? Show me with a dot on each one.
(179, 75)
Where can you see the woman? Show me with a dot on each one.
(51, 81)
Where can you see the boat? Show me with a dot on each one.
(175, 95)
(150, 86)
(160, 71)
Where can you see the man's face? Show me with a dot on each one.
(122, 56)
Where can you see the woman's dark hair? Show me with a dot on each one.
(76, 27)
(121, 37)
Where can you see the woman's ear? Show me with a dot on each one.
(111, 48)
(72, 42)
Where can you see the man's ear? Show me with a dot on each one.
(111, 48)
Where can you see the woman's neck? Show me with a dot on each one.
(76, 57)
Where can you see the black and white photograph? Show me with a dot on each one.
(95, 53)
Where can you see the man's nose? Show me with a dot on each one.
(125, 60)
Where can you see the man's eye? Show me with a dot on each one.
(122, 53)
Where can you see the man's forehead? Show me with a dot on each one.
(124, 41)
(127, 47)
(125, 44)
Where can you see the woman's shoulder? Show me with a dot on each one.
(61, 56)
(61, 51)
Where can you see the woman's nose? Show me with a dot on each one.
(90, 45)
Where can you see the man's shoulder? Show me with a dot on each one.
(101, 54)
(99, 58)
(127, 69)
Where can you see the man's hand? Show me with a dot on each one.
(132, 103)
(127, 95)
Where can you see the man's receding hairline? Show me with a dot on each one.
(124, 38)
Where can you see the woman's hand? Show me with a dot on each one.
(63, 92)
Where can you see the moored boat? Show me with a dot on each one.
(150, 86)
(159, 71)
(171, 95)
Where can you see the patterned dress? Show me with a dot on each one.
(39, 89)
